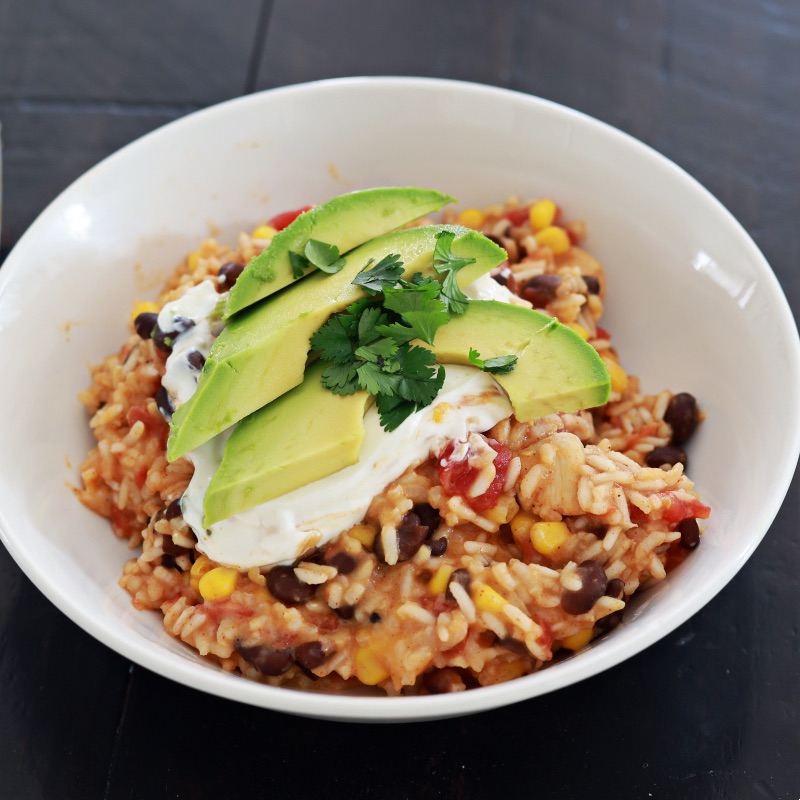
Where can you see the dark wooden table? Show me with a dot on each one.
(713, 710)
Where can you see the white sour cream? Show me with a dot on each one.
(198, 305)
(281, 529)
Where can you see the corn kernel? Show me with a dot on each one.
(547, 537)
(369, 667)
(555, 238)
(264, 232)
(578, 640)
(143, 308)
(580, 330)
(218, 583)
(507, 671)
(193, 260)
(521, 524)
(440, 410)
(487, 599)
(364, 534)
(471, 218)
(542, 214)
(199, 568)
(441, 580)
(619, 378)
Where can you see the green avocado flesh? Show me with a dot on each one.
(302, 436)
(310, 433)
(262, 352)
(556, 371)
(345, 221)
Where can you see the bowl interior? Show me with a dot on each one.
(691, 304)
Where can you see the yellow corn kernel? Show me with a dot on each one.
(507, 671)
(521, 524)
(580, 330)
(619, 378)
(193, 260)
(199, 568)
(144, 308)
(218, 583)
(264, 232)
(547, 537)
(542, 214)
(578, 640)
(471, 218)
(364, 534)
(440, 580)
(504, 510)
(487, 599)
(555, 238)
(369, 667)
(440, 410)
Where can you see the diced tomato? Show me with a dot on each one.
(138, 414)
(676, 509)
(517, 216)
(141, 476)
(219, 610)
(154, 425)
(602, 333)
(457, 477)
(675, 556)
(285, 218)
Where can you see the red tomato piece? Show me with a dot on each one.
(602, 333)
(280, 221)
(457, 477)
(517, 216)
(678, 510)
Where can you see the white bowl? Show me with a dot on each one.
(692, 304)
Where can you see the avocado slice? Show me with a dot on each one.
(262, 352)
(300, 437)
(556, 369)
(345, 221)
(310, 433)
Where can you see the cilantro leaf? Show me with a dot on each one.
(340, 378)
(299, 264)
(499, 365)
(394, 410)
(323, 256)
(455, 299)
(332, 341)
(374, 380)
(420, 308)
(443, 257)
(387, 272)
(400, 333)
(419, 381)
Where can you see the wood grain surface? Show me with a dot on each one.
(711, 711)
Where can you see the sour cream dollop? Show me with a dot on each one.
(281, 529)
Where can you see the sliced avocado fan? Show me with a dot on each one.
(262, 352)
(345, 221)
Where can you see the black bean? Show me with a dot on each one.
(228, 274)
(165, 339)
(669, 455)
(345, 612)
(265, 659)
(410, 536)
(164, 403)
(460, 576)
(541, 290)
(343, 563)
(196, 359)
(374, 617)
(593, 584)
(592, 284)
(310, 654)
(173, 509)
(690, 533)
(287, 588)
(168, 561)
(682, 415)
(615, 588)
(500, 278)
(610, 621)
(145, 324)
(596, 529)
(428, 516)
(514, 645)
(438, 547)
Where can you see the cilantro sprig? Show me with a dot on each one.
(321, 255)
(499, 365)
(369, 345)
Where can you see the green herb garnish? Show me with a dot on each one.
(447, 264)
(321, 255)
(499, 365)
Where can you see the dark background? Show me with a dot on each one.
(713, 710)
